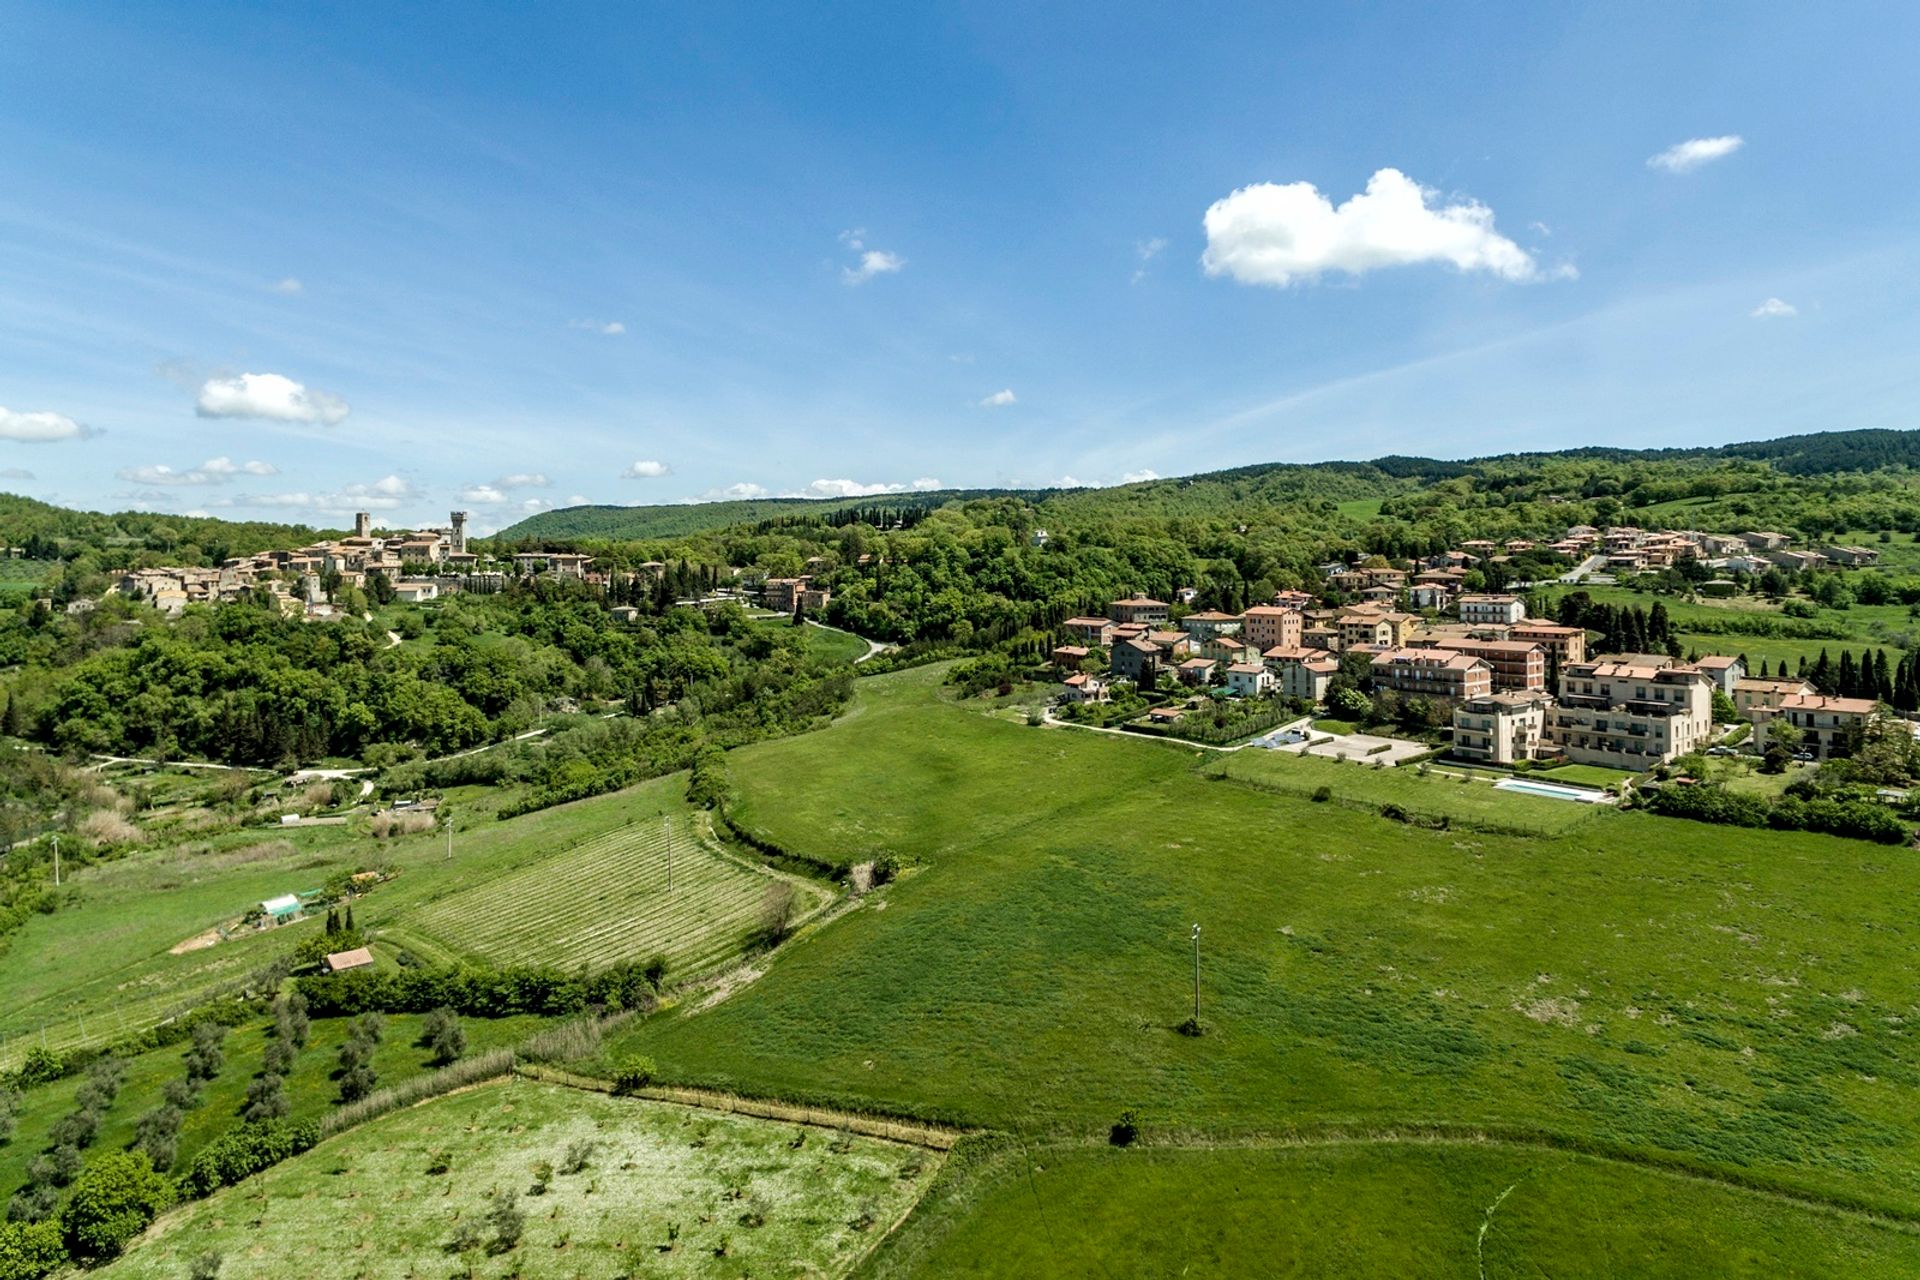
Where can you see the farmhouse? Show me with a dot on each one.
(1210, 624)
(341, 961)
(1753, 695)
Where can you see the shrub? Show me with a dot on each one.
(206, 1266)
(30, 1250)
(579, 1156)
(1124, 1130)
(1322, 794)
(444, 1036)
(243, 1151)
(633, 1073)
(113, 1200)
(266, 1099)
(506, 1220)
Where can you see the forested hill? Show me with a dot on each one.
(194, 540)
(1220, 492)
(682, 519)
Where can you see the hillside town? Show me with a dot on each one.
(1517, 689)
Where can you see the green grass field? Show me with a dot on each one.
(1736, 1002)
(735, 1196)
(607, 901)
(1470, 804)
(1369, 1208)
(1586, 775)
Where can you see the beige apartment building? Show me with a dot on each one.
(1631, 715)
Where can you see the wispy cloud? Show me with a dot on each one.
(1140, 476)
(998, 400)
(1774, 309)
(272, 397)
(1685, 157)
(1282, 235)
(221, 470)
(15, 473)
(290, 285)
(388, 493)
(606, 328)
(858, 489)
(1145, 251)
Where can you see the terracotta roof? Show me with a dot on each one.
(1821, 702)
(358, 958)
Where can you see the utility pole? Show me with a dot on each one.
(449, 837)
(667, 824)
(1196, 975)
(56, 862)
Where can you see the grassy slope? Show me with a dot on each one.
(608, 900)
(1866, 627)
(362, 1204)
(1367, 1209)
(1734, 999)
(91, 971)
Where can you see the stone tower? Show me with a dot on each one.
(362, 524)
(457, 540)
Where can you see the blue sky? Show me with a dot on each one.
(278, 261)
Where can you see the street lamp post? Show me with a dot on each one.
(1196, 975)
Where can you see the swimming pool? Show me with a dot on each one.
(1553, 790)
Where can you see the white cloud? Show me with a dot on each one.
(998, 400)
(15, 473)
(40, 428)
(646, 469)
(1146, 251)
(220, 470)
(1136, 477)
(1774, 309)
(289, 286)
(271, 396)
(609, 328)
(1278, 235)
(857, 489)
(873, 262)
(961, 357)
(1685, 157)
(745, 489)
(1071, 482)
(386, 494)
(499, 492)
